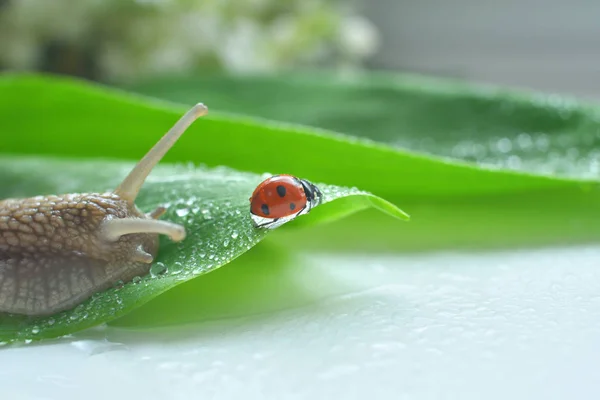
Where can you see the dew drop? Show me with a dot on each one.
(136, 279)
(504, 145)
(35, 330)
(226, 243)
(573, 154)
(51, 321)
(234, 235)
(542, 142)
(594, 166)
(198, 271)
(524, 141)
(183, 212)
(158, 269)
(513, 162)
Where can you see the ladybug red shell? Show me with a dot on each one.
(281, 198)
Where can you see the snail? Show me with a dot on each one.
(56, 251)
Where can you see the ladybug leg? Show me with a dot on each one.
(265, 225)
(268, 224)
(277, 222)
(304, 210)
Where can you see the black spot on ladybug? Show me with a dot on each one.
(265, 209)
(292, 206)
(281, 191)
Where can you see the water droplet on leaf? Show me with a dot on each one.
(183, 212)
(158, 269)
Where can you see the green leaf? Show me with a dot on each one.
(211, 203)
(533, 132)
(267, 279)
(455, 203)
(452, 206)
(91, 121)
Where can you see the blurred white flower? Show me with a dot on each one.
(359, 37)
(241, 47)
(125, 39)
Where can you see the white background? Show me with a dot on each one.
(506, 325)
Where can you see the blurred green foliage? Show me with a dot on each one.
(120, 40)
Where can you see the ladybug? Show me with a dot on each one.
(281, 198)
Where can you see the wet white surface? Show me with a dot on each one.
(518, 325)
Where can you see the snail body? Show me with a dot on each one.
(56, 251)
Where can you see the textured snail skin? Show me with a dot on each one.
(57, 251)
(52, 256)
